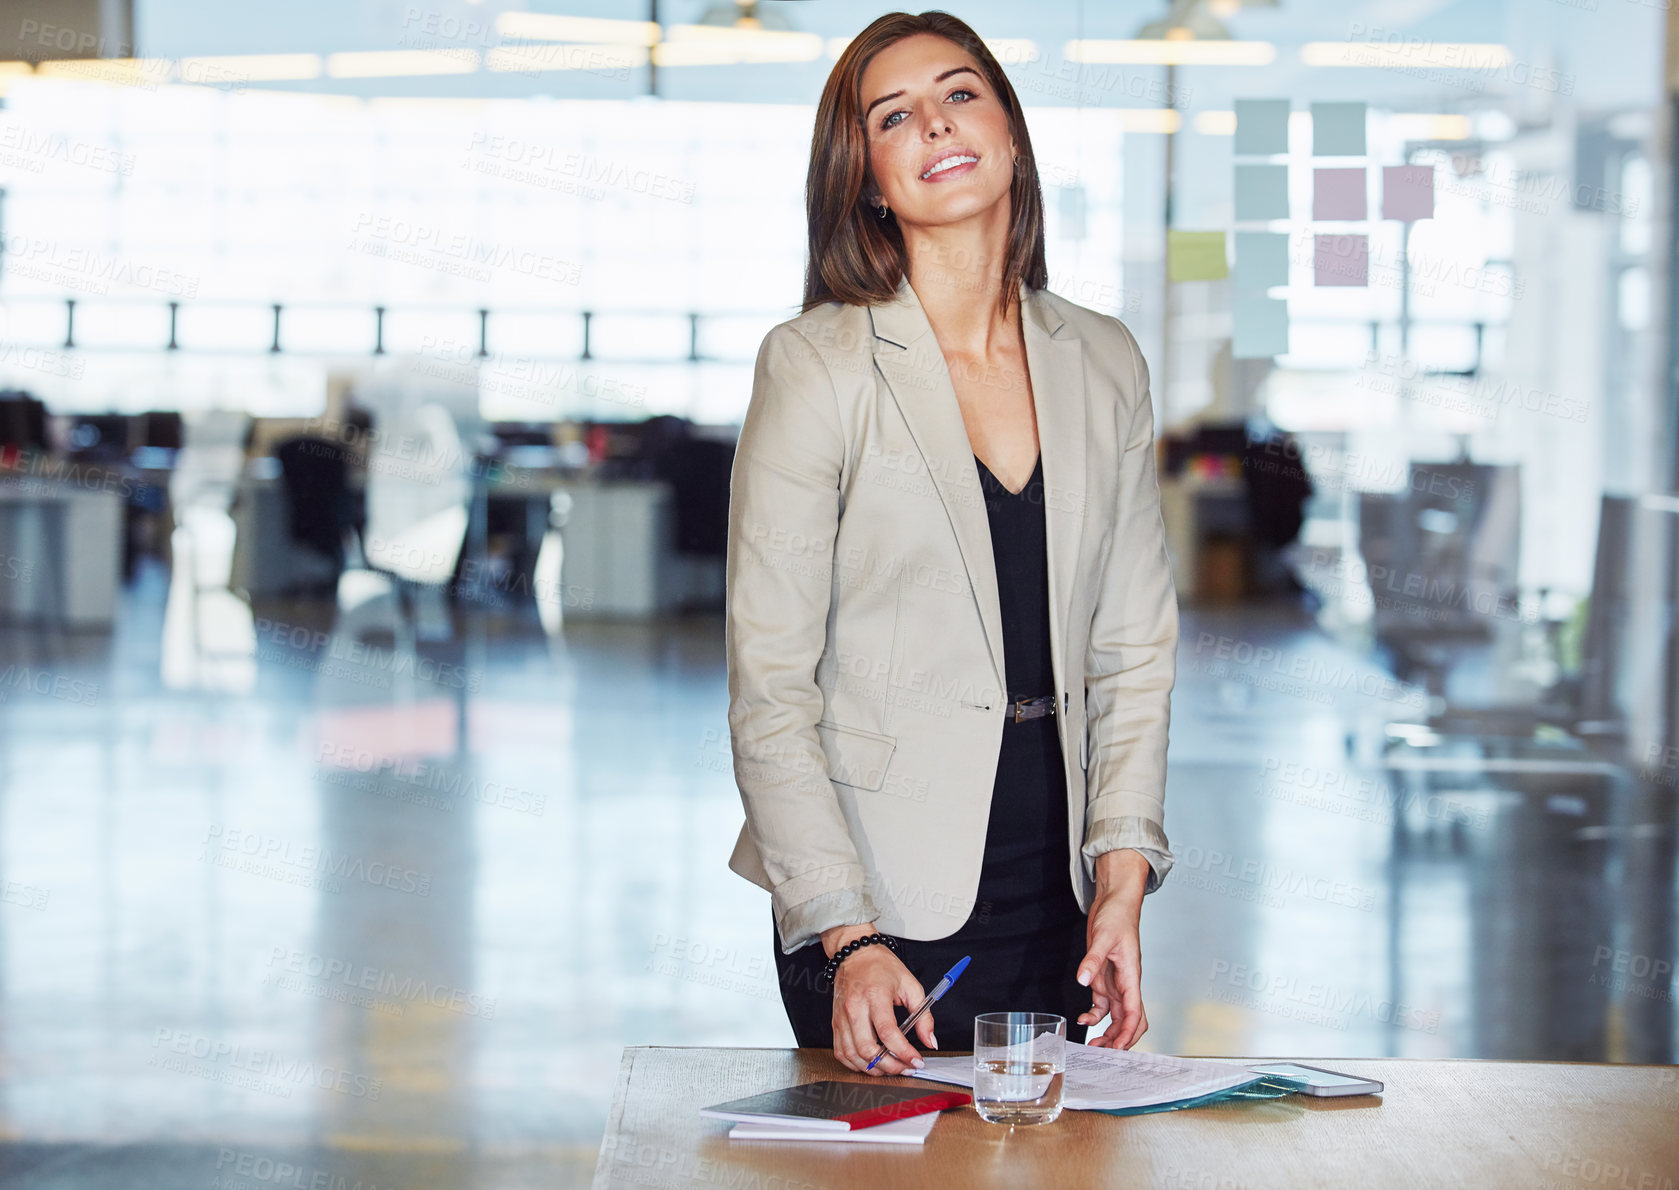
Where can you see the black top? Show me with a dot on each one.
(1020, 545)
(1026, 933)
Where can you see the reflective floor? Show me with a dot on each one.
(336, 911)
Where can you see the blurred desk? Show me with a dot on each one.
(1440, 1123)
(60, 551)
(619, 538)
(1192, 509)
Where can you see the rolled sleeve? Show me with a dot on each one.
(1140, 834)
(803, 924)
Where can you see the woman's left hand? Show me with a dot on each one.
(1112, 968)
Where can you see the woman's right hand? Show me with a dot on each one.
(868, 984)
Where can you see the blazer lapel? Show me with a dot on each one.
(908, 355)
(1055, 359)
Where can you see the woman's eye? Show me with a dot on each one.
(961, 95)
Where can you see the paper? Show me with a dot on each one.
(1337, 129)
(1407, 192)
(1261, 327)
(1261, 192)
(911, 1130)
(1195, 256)
(1340, 260)
(1261, 259)
(1261, 126)
(1338, 194)
(1098, 1078)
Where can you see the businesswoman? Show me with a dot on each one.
(951, 625)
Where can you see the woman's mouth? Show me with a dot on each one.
(949, 166)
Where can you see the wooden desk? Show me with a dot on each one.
(1439, 1123)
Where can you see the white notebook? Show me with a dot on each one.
(911, 1130)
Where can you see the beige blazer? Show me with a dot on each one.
(864, 632)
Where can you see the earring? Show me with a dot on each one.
(882, 210)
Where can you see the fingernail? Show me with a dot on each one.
(1084, 979)
(917, 1063)
(935, 1041)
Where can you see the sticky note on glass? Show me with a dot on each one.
(1341, 260)
(1407, 192)
(1261, 327)
(1262, 192)
(1196, 256)
(1337, 194)
(1261, 259)
(1261, 126)
(1338, 130)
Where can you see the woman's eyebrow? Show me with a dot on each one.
(947, 74)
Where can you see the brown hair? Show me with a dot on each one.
(855, 256)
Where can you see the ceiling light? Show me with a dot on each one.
(711, 45)
(533, 59)
(11, 72)
(1171, 51)
(538, 26)
(264, 68)
(1149, 119)
(124, 71)
(394, 63)
(1436, 55)
(1429, 126)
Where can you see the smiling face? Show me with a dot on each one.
(940, 148)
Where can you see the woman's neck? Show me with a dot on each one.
(956, 271)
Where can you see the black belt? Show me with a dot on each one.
(1021, 709)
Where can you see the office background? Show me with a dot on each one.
(371, 375)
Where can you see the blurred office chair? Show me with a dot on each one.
(418, 501)
(212, 456)
(208, 641)
(1627, 685)
(315, 473)
(697, 469)
(23, 421)
(159, 430)
(549, 571)
(1279, 489)
(1605, 642)
(1439, 556)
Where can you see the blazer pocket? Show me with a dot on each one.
(856, 757)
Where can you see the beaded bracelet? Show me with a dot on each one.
(851, 948)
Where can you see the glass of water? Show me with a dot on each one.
(1020, 1061)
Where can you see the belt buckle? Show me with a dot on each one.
(1019, 704)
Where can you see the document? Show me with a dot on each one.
(1099, 1079)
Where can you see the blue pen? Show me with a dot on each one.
(944, 985)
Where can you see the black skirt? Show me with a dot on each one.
(1026, 934)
